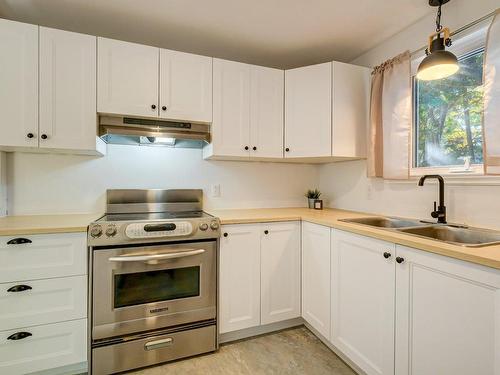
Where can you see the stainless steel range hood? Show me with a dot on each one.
(152, 132)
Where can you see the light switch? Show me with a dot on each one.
(216, 190)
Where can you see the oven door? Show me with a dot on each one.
(138, 289)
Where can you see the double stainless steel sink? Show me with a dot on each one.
(454, 234)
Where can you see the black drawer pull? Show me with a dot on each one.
(19, 288)
(19, 336)
(18, 241)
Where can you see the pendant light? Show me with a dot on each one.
(438, 63)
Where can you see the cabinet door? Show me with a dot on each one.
(127, 78)
(19, 84)
(447, 316)
(351, 97)
(185, 86)
(239, 302)
(266, 112)
(231, 117)
(308, 110)
(316, 277)
(68, 117)
(363, 301)
(280, 271)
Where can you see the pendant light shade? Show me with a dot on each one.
(438, 63)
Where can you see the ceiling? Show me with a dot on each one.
(277, 33)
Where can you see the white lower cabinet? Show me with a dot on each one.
(363, 293)
(447, 316)
(259, 274)
(43, 347)
(316, 277)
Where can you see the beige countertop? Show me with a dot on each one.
(42, 224)
(487, 256)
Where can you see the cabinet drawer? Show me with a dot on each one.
(30, 303)
(49, 346)
(42, 256)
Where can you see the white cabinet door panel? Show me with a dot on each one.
(45, 256)
(308, 111)
(48, 346)
(239, 277)
(280, 271)
(266, 112)
(185, 86)
(47, 301)
(19, 84)
(127, 78)
(67, 90)
(447, 316)
(362, 299)
(231, 113)
(316, 276)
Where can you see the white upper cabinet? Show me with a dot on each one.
(231, 116)
(266, 112)
(127, 78)
(447, 316)
(308, 110)
(19, 84)
(185, 86)
(68, 117)
(280, 271)
(363, 293)
(239, 277)
(350, 108)
(316, 277)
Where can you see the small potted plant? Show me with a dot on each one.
(312, 195)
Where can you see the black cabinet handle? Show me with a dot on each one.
(266, 232)
(225, 234)
(30, 135)
(19, 288)
(287, 149)
(387, 255)
(246, 147)
(44, 136)
(400, 260)
(164, 108)
(254, 148)
(153, 106)
(19, 336)
(18, 241)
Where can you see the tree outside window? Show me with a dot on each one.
(448, 116)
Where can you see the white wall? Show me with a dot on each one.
(346, 184)
(3, 185)
(51, 184)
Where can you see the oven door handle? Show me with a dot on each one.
(153, 257)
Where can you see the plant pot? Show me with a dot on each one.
(311, 202)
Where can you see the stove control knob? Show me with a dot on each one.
(96, 231)
(214, 225)
(111, 231)
(203, 226)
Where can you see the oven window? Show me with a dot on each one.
(153, 286)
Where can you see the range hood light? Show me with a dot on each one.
(157, 141)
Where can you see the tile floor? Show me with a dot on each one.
(292, 351)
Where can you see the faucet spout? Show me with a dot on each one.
(440, 211)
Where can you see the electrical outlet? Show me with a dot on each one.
(215, 190)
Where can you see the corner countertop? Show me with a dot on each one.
(486, 256)
(43, 224)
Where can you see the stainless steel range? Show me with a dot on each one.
(153, 262)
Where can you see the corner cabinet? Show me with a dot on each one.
(447, 316)
(316, 277)
(247, 112)
(259, 274)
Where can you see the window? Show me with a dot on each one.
(448, 117)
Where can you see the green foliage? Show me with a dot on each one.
(449, 116)
(313, 194)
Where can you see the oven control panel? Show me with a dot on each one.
(155, 230)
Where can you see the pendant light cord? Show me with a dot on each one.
(439, 27)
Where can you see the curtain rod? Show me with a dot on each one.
(463, 28)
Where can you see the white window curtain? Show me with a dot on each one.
(390, 119)
(491, 117)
